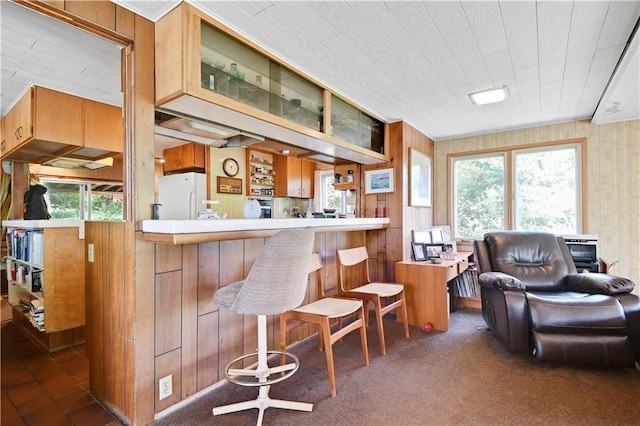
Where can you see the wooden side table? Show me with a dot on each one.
(425, 287)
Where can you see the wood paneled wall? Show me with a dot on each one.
(394, 243)
(110, 296)
(612, 196)
(193, 339)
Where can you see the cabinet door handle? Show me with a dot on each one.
(2, 145)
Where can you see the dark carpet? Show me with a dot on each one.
(461, 377)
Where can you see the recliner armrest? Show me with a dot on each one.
(597, 283)
(501, 281)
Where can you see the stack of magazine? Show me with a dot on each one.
(37, 314)
(468, 284)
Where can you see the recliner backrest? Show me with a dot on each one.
(535, 258)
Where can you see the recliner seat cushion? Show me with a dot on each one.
(579, 328)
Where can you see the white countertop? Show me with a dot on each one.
(235, 225)
(51, 223)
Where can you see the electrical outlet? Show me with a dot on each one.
(165, 387)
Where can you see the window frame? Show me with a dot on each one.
(509, 153)
(320, 199)
(85, 194)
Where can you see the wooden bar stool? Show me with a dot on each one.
(322, 312)
(386, 297)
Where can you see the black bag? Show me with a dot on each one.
(35, 206)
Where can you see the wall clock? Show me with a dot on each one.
(230, 167)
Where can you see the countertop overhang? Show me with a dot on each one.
(198, 231)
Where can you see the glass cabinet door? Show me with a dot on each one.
(231, 69)
(354, 126)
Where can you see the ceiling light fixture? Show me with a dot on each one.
(490, 96)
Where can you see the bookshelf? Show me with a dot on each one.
(468, 289)
(45, 267)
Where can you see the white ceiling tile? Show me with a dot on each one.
(422, 31)
(550, 93)
(307, 19)
(587, 13)
(448, 16)
(468, 57)
(580, 53)
(553, 28)
(486, 23)
(500, 69)
(604, 62)
(621, 17)
(352, 28)
(521, 29)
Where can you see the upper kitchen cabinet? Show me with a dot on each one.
(352, 125)
(235, 71)
(45, 124)
(189, 157)
(213, 77)
(295, 177)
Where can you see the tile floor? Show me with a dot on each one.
(46, 389)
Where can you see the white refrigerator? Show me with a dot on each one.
(180, 195)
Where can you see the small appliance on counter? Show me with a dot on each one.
(212, 210)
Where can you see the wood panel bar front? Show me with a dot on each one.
(194, 338)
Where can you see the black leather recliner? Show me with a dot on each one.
(534, 301)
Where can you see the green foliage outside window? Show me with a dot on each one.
(479, 196)
(545, 193)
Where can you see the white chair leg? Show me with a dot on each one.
(262, 372)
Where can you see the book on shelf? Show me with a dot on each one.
(467, 283)
(37, 306)
(26, 245)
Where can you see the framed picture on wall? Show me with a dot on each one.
(379, 181)
(419, 179)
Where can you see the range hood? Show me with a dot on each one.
(76, 163)
(202, 131)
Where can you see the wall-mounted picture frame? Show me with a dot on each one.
(418, 252)
(420, 178)
(379, 180)
(433, 250)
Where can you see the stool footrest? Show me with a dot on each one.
(289, 368)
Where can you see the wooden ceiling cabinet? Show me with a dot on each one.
(295, 177)
(45, 124)
(189, 157)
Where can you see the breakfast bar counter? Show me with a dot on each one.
(178, 232)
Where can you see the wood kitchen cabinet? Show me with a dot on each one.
(295, 177)
(189, 157)
(46, 124)
(43, 123)
(103, 126)
(216, 70)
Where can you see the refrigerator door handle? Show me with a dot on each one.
(192, 205)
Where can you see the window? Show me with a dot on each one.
(536, 189)
(100, 201)
(329, 197)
